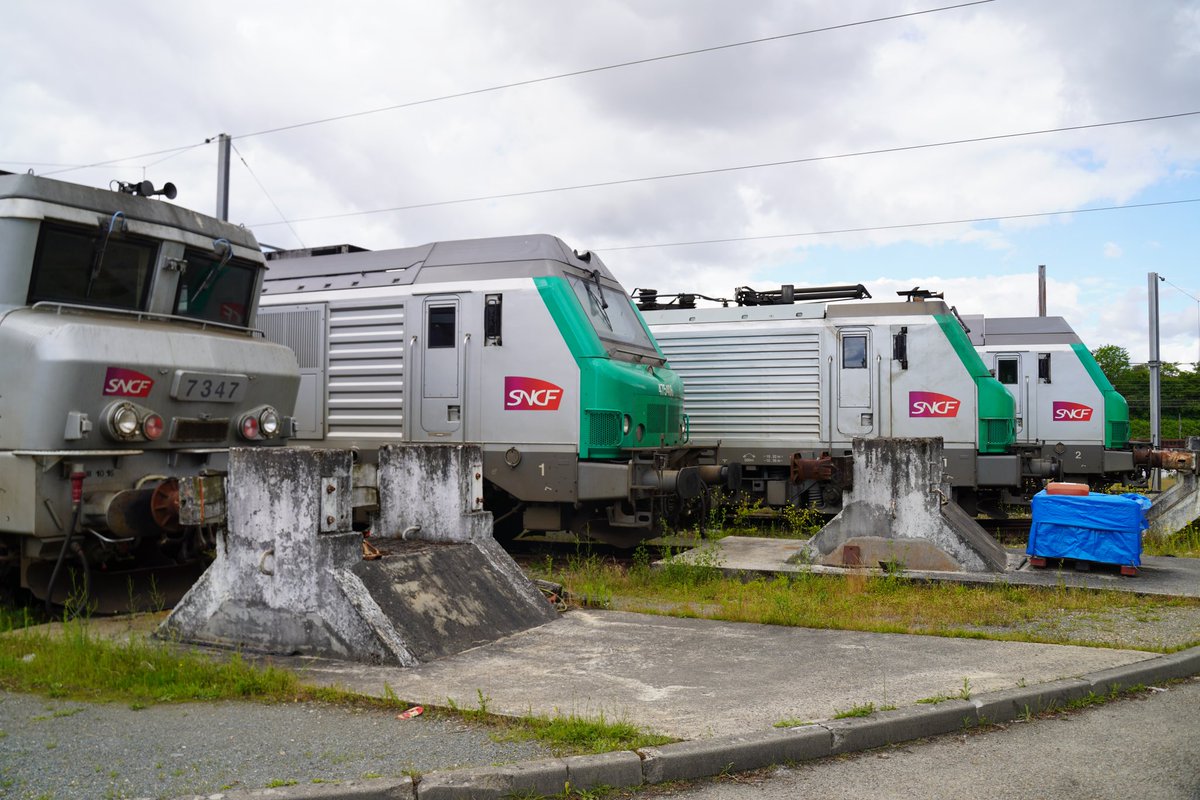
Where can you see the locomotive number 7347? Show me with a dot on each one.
(200, 386)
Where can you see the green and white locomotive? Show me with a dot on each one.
(784, 387)
(1066, 409)
(520, 344)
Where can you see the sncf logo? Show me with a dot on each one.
(127, 383)
(932, 404)
(1064, 411)
(530, 394)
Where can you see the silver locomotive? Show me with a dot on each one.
(129, 366)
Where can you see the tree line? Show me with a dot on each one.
(1179, 393)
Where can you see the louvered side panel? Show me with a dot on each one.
(366, 372)
(748, 384)
(301, 329)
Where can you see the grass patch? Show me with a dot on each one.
(564, 735)
(864, 710)
(1183, 544)
(75, 664)
(792, 722)
(575, 735)
(884, 603)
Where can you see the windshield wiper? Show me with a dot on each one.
(225, 250)
(599, 295)
(118, 218)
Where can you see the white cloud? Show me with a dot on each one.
(162, 75)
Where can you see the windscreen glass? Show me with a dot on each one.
(214, 289)
(91, 267)
(611, 312)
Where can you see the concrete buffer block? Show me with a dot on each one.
(900, 510)
(1177, 507)
(290, 574)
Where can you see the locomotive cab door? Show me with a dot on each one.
(1009, 372)
(441, 355)
(854, 383)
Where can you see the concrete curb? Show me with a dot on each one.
(708, 757)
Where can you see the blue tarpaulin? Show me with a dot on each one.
(1099, 527)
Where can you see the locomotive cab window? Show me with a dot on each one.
(95, 267)
(611, 314)
(441, 327)
(854, 352)
(215, 289)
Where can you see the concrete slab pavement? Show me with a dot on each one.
(1174, 577)
(694, 679)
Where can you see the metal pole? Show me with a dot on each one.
(1041, 290)
(1154, 364)
(223, 176)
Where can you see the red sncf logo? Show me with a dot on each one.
(1064, 411)
(932, 404)
(127, 383)
(530, 394)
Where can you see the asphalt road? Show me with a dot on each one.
(1146, 747)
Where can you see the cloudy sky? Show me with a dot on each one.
(475, 108)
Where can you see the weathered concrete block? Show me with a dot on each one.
(290, 575)
(277, 583)
(433, 493)
(900, 493)
(1177, 507)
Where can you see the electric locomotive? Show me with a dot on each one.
(520, 344)
(1066, 409)
(785, 387)
(130, 366)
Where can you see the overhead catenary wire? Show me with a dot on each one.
(169, 152)
(528, 82)
(1197, 301)
(872, 228)
(607, 67)
(719, 170)
(267, 194)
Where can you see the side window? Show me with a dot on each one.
(854, 352)
(441, 327)
(1044, 367)
(1007, 371)
(493, 314)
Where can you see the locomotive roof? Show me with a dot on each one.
(22, 195)
(1028, 330)
(797, 311)
(463, 259)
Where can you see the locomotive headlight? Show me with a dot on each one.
(152, 426)
(268, 422)
(123, 421)
(626, 424)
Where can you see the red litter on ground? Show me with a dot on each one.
(415, 711)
